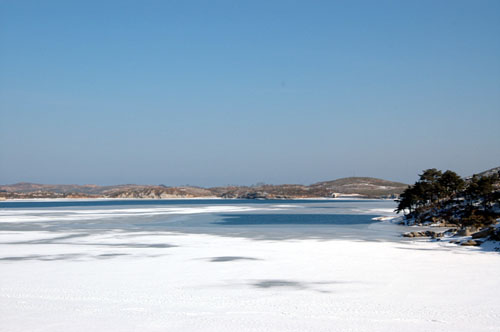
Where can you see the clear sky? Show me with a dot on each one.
(238, 92)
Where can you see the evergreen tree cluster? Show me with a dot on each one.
(444, 197)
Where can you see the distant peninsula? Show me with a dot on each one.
(361, 187)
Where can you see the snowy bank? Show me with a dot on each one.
(140, 281)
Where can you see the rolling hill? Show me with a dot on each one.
(352, 186)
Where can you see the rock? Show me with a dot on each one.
(414, 234)
(495, 235)
(471, 243)
(450, 232)
(431, 234)
(436, 235)
(483, 233)
(466, 231)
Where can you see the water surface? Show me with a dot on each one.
(259, 219)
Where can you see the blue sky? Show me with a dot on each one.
(238, 92)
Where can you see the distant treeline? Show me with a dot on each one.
(446, 198)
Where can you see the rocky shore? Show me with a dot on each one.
(467, 236)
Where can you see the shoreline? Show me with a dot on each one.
(343, 198)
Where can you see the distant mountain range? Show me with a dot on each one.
(365, 187)
(353, 186)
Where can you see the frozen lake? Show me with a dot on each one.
(247, 218)
(221, 266)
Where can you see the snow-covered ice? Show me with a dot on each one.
(135, 281)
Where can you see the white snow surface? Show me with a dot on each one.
(141, 281)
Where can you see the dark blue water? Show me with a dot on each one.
(295, 219)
